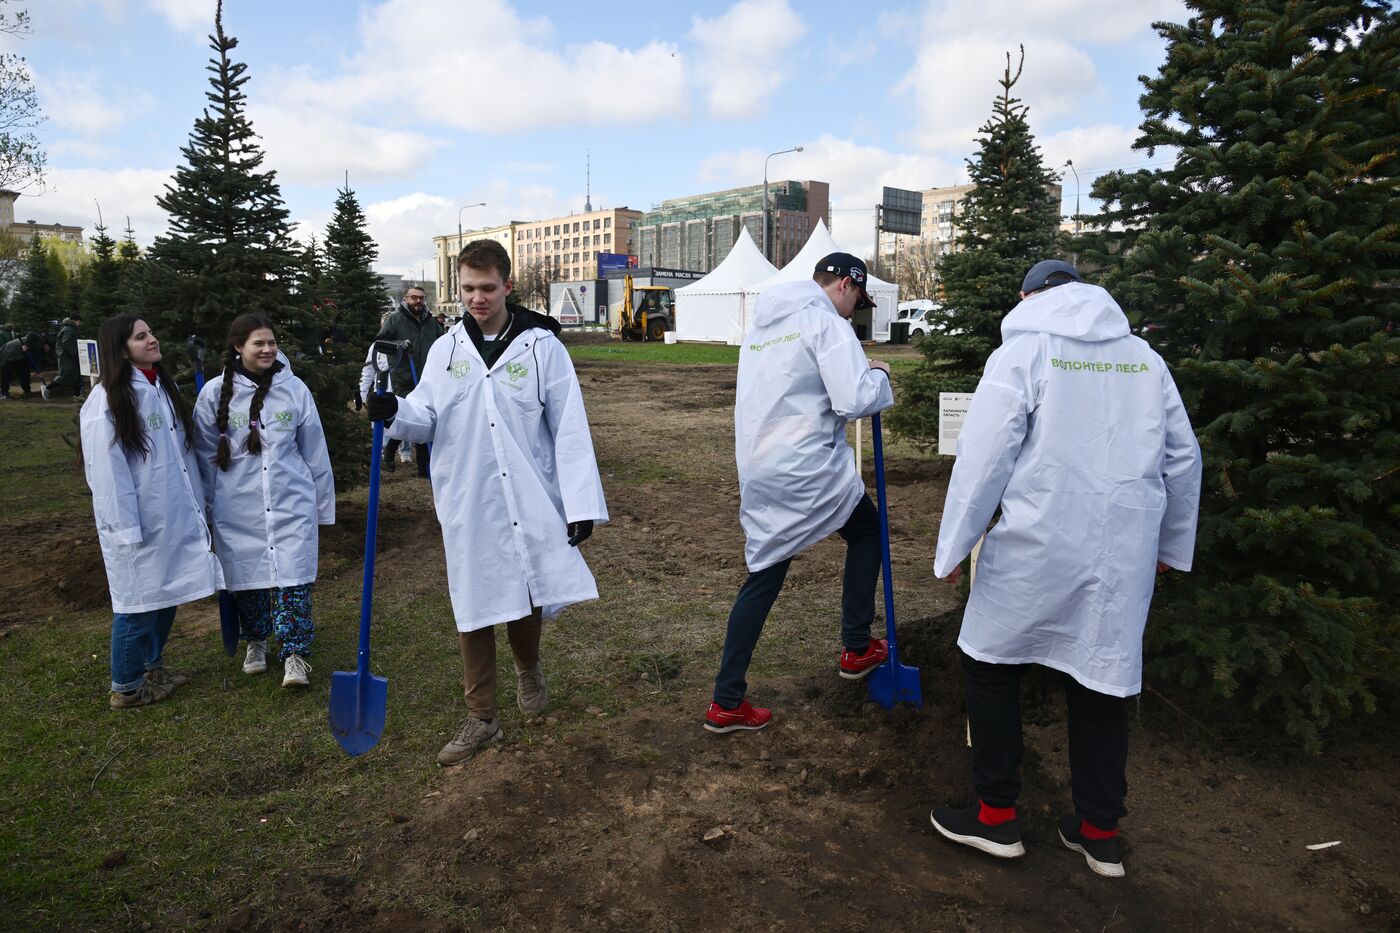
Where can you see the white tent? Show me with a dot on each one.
(874, 323)
(712, 309)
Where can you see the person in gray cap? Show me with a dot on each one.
(802, 378)
(1077, 435)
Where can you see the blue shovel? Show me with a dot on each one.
(891, 682)
(358, 698)
(197, 348)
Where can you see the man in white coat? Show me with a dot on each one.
(802, 378)
(515, 482)
(1077, 434)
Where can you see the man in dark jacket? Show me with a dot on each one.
(16, 362)
(411, 322)
(66, 349)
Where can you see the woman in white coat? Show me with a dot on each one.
(268, 479)
(149, 505)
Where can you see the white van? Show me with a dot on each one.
(922, 314)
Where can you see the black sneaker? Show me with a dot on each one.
(1003, 841)
(1105, 856)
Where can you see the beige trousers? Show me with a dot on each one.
(479, 660)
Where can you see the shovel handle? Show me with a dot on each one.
(879, 445)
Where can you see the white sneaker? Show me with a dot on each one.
(295, 671)
(256, 661)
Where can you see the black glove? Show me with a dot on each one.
(382, 407)
(579, 532)
(359, 402)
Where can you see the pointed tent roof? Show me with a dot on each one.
(744, 266)
(819, 244)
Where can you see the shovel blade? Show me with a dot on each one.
(895, 683)
(357, 710)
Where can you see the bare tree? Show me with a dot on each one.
(916, 271)
(532, 280)
(21, 157)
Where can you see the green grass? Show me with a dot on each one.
(39, 470)
(650, 352)
(217, 792)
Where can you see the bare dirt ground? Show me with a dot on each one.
(600, 820)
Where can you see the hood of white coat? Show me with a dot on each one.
(1074, 310)
(787, 298)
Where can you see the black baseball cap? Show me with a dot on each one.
(1042, 272)
(847, 266)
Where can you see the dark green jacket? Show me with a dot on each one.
(67, 342)
(420, 334)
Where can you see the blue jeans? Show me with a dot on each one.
(138, 640)
(760, 591)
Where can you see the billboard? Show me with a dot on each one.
(901, 211)
(613, 262)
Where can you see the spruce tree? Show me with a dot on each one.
(102, 289)
(1009, 222)
(130, 269)
(351, 281)
(40, 289)
(228, 250)
(1267, 260)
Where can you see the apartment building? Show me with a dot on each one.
(564, 248)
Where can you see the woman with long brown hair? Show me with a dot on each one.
(268, 479)
(148, 500)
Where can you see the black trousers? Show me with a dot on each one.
(420, 454)
(16, 372)
(756, 597)
(1098, 741)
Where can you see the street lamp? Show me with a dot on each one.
(765, 197)
(1069, 164)
(452, 271)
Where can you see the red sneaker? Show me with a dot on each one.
(855, 666)
(746, 716)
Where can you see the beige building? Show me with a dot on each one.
(566, 248)
(446, 248)
(27, 229)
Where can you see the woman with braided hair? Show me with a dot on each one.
(267, 477)
(149, 504)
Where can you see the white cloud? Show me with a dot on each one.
(190, 16)
(523, 76)
(314, 146)
(1091, 21)
(74, 102)
(954, 84)
(742, 55)
(126, 192)
(856, 173)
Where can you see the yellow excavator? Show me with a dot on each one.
(648, 311)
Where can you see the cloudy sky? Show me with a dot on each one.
(433, 104)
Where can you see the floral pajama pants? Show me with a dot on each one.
(285, 610)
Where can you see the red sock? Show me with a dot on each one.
(995, 816)
(1090, 831)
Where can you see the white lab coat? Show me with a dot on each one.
(266, 507)
(1077, 432)
(802, 378)
(513, 465)
(367, 377)
(149, 510)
